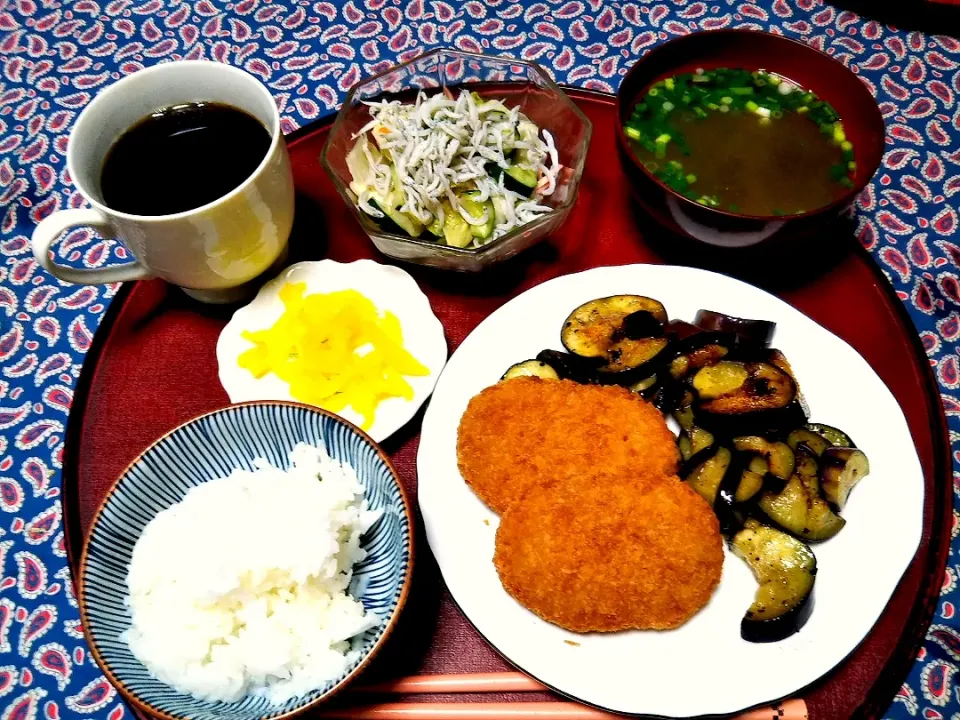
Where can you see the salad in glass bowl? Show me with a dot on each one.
(457, 160)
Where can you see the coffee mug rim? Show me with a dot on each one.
(275, 139)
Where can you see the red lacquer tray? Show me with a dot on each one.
(153, 366)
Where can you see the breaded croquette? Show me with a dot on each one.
(527, 432)
(611, 553)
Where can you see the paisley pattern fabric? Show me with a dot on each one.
(56, 54)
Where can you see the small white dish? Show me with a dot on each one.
(387, 287)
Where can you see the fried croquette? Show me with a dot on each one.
(610, 554)
(527, 432)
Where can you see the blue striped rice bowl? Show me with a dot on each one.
(209, 447)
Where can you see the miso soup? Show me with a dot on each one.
(748, 142)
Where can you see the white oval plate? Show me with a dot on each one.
(388, 287)
(703, 667)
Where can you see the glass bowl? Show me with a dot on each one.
(515, 82)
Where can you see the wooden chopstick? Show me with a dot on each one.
(498, 682)
(788, 710)
(469, 711)
(457, 683)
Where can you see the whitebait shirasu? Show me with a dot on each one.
(430, 153)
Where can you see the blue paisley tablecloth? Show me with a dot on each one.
(55, 55)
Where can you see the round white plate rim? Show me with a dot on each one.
(421, 328)
(435, 491)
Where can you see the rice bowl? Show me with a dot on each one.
(204, 449)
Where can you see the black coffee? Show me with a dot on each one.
(181, 158)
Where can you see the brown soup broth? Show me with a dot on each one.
(181, 158)
(726, 152)
(779, 168)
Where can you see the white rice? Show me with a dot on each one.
(240, 588)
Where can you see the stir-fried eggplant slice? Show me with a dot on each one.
(571, 367)
(798, 508)
(681, 330)
(786, 570)
(731, 387)
(684, 417)
(742, 483)
(779, 360)
(778, 456)
(731, 513)
(756, 333)
(751, 479)
(702, 338)
(836, 437)
(815, 442)
(683, 365)
(692, 441)
(842, 468)
(707, 476)
(672, 396)
(640, 324)
(762, 422)
(589, 330)
(531, 368)
(646, 387)
(632, 360)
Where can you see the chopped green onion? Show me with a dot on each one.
(803, 110)
(726, 100)
(776, 114)
(691, 178)
(838, 135)
(774, 80)
(699, 112)
(669, 83)
(846, 146)
(852, 166)
(653, 92)
(632, 132)
(751, 106)
(742, 90)
(667, 107)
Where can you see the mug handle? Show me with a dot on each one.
(49, 230)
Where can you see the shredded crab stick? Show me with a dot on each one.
(418, 163)
(334, 350)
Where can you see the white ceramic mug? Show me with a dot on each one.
(213, 251)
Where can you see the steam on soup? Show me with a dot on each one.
(747, 142)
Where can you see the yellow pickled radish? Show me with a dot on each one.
(335, 350)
